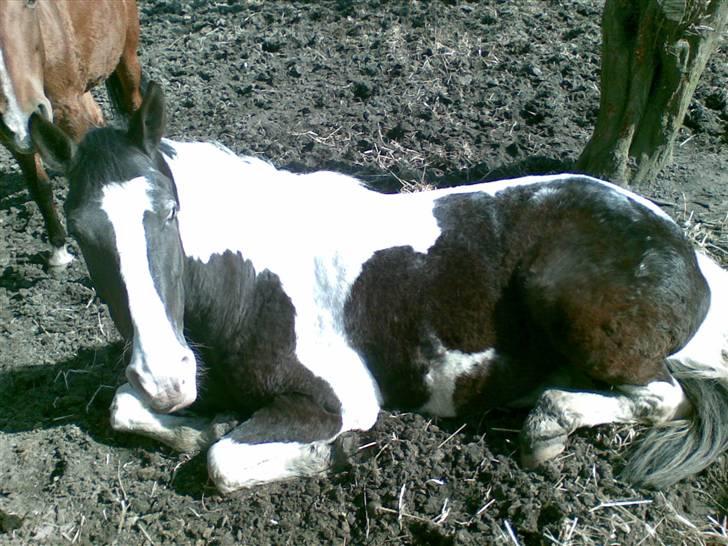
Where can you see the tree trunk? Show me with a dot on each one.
(653, 53)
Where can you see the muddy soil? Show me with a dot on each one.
(403, 94)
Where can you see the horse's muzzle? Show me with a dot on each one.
(164, 394)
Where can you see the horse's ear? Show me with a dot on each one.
(54, 146)
(146, 127)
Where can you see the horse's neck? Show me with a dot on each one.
(219, 299)
(247, 205)
(216, 188)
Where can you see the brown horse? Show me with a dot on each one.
(52, 52)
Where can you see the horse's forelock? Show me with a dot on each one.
(106, 155)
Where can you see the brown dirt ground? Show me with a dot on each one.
(401, 94)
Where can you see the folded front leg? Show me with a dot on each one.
(289, 438)
(181, 433)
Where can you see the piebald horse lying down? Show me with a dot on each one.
(314, 302)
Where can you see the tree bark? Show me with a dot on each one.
(653, 53)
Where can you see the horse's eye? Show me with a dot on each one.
(30, 3)
(172, 213)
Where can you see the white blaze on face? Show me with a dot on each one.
(14, 117)
(164, 367)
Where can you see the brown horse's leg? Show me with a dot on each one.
(130, 77)
(41, 192)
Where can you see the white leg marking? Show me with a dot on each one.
(559, 413)
(185, 434)
(232, 465)
(60, 257)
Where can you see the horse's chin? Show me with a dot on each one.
(170, 406)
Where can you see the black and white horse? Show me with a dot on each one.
(312, 302)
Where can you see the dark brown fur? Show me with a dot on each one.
(576, 278)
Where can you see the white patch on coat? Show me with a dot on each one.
(707, 351)
(446, 368)
(233, 465)
(130, 414)
(165, 367)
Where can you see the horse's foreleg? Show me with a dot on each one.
(40, 190)
(289, 438)
(185, 434)
(558, 413)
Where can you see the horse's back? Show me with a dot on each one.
(83, 43)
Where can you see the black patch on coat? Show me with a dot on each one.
(579, 276)
(242, 323)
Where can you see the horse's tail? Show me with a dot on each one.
(116, 93)
(678, 449)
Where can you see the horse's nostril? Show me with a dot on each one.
(43, 110)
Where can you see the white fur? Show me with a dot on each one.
(232, 465)
(709, 346)
(14, 116)
(60, 257)
(129, 413)
(447, 367)
(165, 367)
(558, 413)
(656, 402)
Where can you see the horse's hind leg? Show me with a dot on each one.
(40, 190)
(184, 434)
(558, 413)
(289, 438)
(128, 73)
(129, 78)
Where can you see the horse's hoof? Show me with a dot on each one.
(534, 456)
(542, 439)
